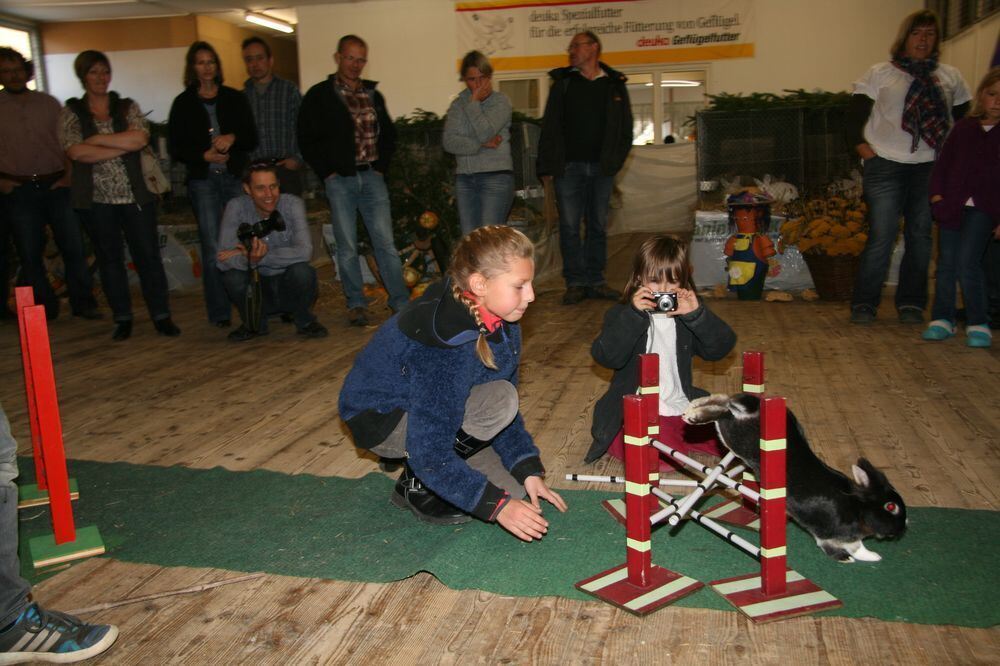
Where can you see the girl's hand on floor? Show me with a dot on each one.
(523, 520)
(535, 487)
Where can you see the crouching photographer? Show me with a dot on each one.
(265, 264)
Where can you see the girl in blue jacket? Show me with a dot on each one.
(436, 385)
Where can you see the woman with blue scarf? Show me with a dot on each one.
(900, 113)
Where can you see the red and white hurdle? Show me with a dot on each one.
(774, 593)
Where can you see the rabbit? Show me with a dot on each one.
(778, 190)
(836, 511)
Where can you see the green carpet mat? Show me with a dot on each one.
(942, 572)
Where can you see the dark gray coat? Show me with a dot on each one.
(623, 338)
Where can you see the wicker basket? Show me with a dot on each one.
(833, 275)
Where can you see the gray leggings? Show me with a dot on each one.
(490, 408)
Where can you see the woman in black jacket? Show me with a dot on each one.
(212, 132)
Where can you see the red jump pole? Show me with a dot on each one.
(637, 528)
(649, 389)
(772, 496)
(43, 382)
(753, 382)
(24, 298)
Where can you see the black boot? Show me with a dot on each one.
(411, 494)
(123, 330)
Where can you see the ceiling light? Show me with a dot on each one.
(679, 83)
(269, 22)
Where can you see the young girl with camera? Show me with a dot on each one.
(644, 322)
(436, 385)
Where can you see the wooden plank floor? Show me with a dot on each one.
(925, 413)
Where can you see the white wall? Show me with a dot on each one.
(413, 46)
(152, 77)
(972, 50)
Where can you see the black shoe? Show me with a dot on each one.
(90, 313)
(242, 334)
(123, 330)
(390, 465)
(166, 327)
(357, 317)
(602, 291)
(862, 314)
(313, 329)
(574, 295)
(287, 318)
(222, 323)
(411, 494)
(910, 314)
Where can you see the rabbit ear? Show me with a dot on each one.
(861, 476)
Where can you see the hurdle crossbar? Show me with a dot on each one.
(687, 503)
(749, 493)
(594, 478)
(712, 526)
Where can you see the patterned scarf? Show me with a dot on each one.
(925, 114)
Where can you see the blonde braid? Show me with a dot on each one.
(483, 350)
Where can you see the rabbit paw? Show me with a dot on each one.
(862, 554)
(707, 409)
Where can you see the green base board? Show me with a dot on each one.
(29, 495)
(45, 552)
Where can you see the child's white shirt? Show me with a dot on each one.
(663, 341)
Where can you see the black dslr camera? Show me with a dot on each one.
(665, 301)
(247, 232)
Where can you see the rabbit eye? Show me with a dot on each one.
(892, 508)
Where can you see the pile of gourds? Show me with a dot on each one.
(828, 225)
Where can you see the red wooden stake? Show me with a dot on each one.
(772, 496)
(43, 382)
(25, 297)
(638, 546)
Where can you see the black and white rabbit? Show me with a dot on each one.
(836, 511)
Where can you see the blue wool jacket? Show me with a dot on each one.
(422, 362)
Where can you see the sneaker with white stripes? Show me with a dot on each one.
(44, 635)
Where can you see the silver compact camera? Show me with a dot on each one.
(665, 301)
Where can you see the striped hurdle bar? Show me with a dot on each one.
(777, 592)
(33, 494)
(638, 586)
(67, 541)
(744, 513)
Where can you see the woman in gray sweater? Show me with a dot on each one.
(477, 132)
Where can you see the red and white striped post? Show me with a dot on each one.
(772, 496)
(637, 528)
(649, 389)
(753, 382)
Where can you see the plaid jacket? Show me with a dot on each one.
(275, 113)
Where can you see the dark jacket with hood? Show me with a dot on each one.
(82, 183)
(422, 362)
(190, 130)
(326, 130)
(624, 336)
(617, 141)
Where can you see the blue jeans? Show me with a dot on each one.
(483, 198)
(13, 589)
(293, 291)
(583, 196)
(365, 192)
(991, 266)
(960, 259)
(105, 224)
(28, 208)
(893, 189)
(209, 197)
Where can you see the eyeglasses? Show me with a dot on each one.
(576, 45)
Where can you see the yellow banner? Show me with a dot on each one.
(534, 34)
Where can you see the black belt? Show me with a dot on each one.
(35, 177)
(363, 167)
